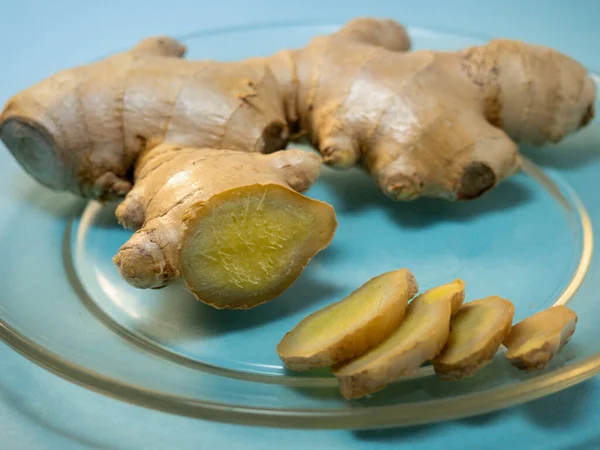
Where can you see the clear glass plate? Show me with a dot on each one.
(64, 305)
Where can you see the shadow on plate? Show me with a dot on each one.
(106, 218)
(191, 319)
(398, 436)
(407, 391)
(356, 191)
(58, 205)
(299, 296)
(578, 150)
(21, 406)
(563, 409)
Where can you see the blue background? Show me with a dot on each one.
(39, 410)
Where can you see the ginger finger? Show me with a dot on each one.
(534, 341)
(437, 124)
(351, 326)
(420, 336)
(485, 152)
(160, 46)
(82, 129)
(477, 330)
(385, 33)
(227, 222)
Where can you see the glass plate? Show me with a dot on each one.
(530, 240)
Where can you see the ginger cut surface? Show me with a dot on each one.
(477, 331)
(351, 326)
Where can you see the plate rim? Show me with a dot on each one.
(379, 416)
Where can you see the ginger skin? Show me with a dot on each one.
(437, 124)
(82, 129)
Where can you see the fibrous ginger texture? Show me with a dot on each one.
(477, 331)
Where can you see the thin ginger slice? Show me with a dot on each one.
(351, 326)
(534, 341)
(477, 331)
(420, 337)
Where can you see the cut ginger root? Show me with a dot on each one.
(419, 338)
(534, 341)
(351, 326)
(477, 331)
(231, 224)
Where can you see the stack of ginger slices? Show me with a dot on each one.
(378, 334)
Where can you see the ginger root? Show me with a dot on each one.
(231, 224)
(437, 124)
(534, 341)
(419, 338)
(351, 326)
(477, 331)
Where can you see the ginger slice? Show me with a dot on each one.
(420, 337)
(477, 331)
(534, 341)
(351, 326)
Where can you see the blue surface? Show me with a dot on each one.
(38, 410)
